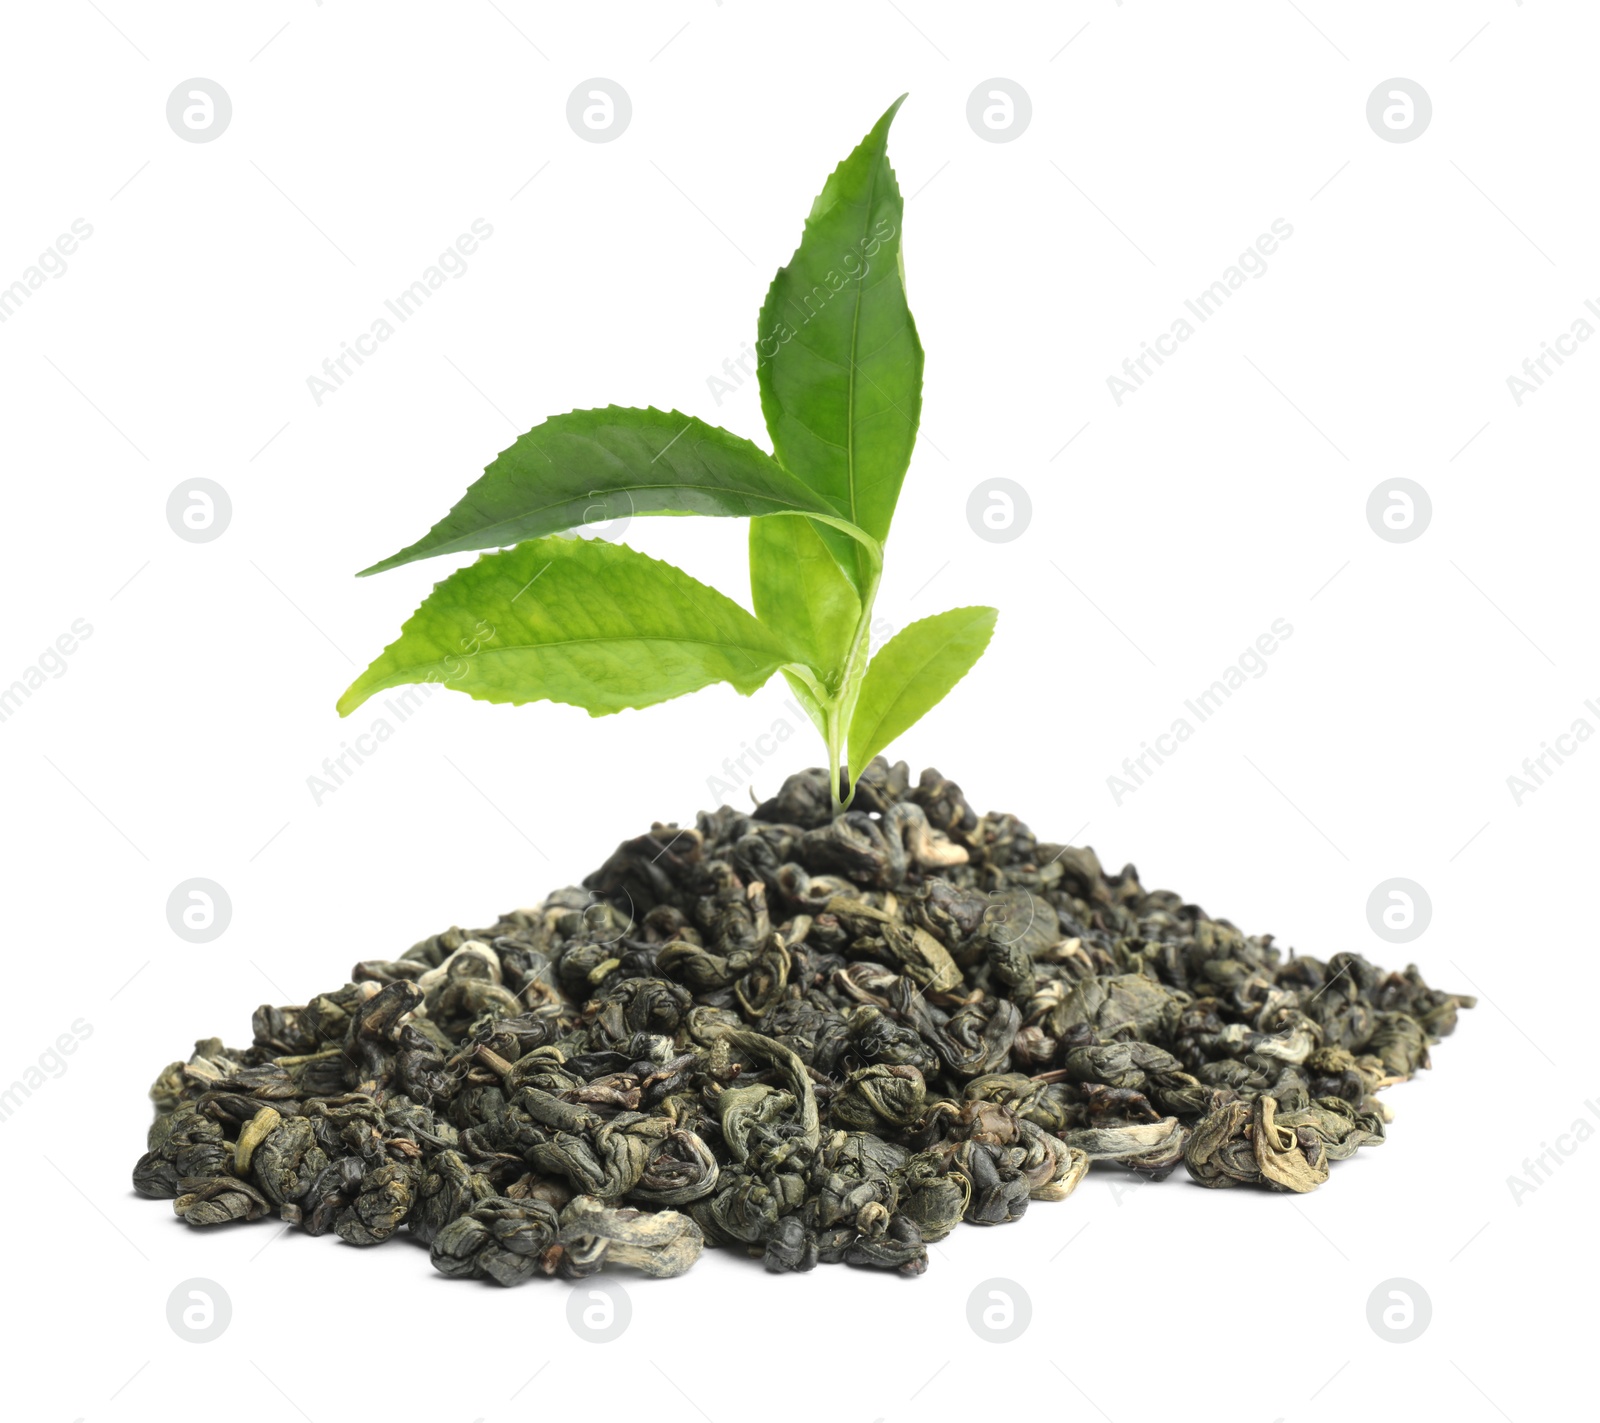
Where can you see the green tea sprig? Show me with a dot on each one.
(597, 625)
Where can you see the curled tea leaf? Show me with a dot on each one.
(657, 1243)
(806, 1040)
(218, 1201)
(506, 1241)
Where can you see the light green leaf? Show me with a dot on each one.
(840, 365)
(808, 701)
(581, 621)
(911, 675)
(595, 466)
(800, 592)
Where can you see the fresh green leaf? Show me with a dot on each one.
(596, 625)
(800, 592)
(840, 365)
(581, 621)
(594, 466)
(808, 701)
(911, 675)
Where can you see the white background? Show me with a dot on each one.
(1230, 491)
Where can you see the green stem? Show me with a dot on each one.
(833, 707)
(831, 712)
(842, 707)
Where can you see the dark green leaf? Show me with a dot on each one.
(594, 466)
(840, 364)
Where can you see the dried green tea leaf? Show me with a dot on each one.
(804, 1038)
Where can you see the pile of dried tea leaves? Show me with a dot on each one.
(805, 1038)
